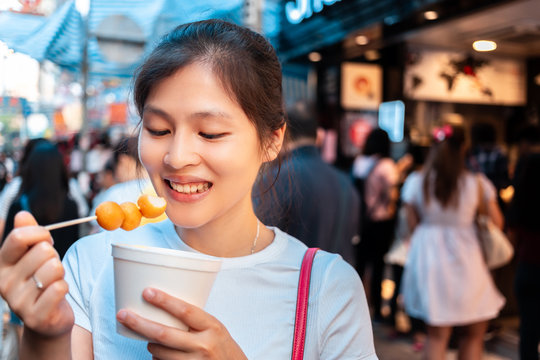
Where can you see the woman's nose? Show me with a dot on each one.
(182, 152)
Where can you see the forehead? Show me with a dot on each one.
(190, 83)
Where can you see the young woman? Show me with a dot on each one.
(45, 193)
(210, 101)
(376, 177)
(523, 218)
(446, 281)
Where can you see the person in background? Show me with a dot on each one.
(316, 203)
(211, 107)
(397, 255)
(44, 192)
(12, 188)
(376, 178)
(524, 230)
(528, 141)
(446, 281)
(487, 157)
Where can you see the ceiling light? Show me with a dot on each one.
(361, 40)
(484, 45)
(431, 15)
(314, 56)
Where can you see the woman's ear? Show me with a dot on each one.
(274, 146)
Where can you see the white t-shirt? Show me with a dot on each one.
(253, 296)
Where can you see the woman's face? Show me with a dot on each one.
(201, 151)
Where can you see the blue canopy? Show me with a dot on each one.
(60, 37)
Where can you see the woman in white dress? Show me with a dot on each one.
(446, 282)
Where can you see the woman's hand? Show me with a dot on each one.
(207, 338)
(33, 279)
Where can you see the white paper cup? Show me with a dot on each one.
(185, 275)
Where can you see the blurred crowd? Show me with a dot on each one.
(82, 170)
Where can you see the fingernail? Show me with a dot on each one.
(149, 293)
(122, 314)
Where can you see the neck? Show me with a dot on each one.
(226, 236)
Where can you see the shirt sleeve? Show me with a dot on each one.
(77, 287)
(411, 188)
(8, 195)
(343, 315)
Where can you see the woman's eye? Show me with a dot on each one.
(211, 136)
(158, 132)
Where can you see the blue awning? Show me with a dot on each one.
(60, 37)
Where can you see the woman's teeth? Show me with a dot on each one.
(190, 188)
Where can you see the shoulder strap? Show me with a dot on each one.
(302, 304)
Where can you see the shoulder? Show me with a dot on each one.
(12, 188)
(333, 267)
(412, 185)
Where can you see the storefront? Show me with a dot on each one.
(418, 53)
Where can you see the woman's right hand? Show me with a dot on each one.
(26, 258)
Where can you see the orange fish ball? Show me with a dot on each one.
(109, 215)
(151, 206)
(132, 215)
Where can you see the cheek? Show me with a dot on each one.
(150, 154)
(241, 164)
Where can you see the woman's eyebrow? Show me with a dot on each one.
(156, 111)
(210, 114)
(199, 115)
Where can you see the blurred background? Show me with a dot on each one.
(406, 66)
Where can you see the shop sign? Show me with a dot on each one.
(298, 10)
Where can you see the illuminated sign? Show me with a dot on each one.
(392, 119)
(298, 10)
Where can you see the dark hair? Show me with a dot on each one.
(529, 133)
(444, 166)
(45, 182)
(524, 211)
(419, 153)
(483, 133)
(377, 143)
(243, 60)
(301, 121)
(28, 148)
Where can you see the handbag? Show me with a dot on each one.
(496, 247)
(302, 304)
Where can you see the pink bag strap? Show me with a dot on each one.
(302, 304)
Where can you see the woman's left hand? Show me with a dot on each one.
(207, 338)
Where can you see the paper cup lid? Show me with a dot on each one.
(166, 257)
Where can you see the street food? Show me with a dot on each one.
(128, 216)
(110, 215)
(151, 206)
(132, 215)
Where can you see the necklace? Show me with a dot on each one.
(256, 237)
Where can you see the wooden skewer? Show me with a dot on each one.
(70, 223)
